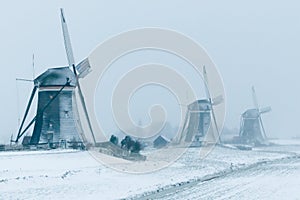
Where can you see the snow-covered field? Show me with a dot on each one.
(258, 174)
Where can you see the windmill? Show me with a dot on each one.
(200, 126)
(252, 130)
(57, 118)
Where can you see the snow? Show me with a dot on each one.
(286, 141)
(276, 180)
(67, 174)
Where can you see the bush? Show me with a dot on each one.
(114, 139)
(130, 145)
(136, 147)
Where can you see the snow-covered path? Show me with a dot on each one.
(279, 179)
(272, 179)
(76, 175)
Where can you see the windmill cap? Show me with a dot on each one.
(56, 77)
(202, 104)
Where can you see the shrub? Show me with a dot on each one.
(114, 139)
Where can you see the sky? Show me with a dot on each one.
(251, 42)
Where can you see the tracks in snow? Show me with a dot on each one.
(170, 190)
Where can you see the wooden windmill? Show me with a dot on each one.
(200, 126)
(252, 130)
(57, 120)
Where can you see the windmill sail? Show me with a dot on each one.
(265, 110)
(83, 68)
(67, 40)
(216, 137)
(71, 62)
(254, 98)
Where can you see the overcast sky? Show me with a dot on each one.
(251, 42)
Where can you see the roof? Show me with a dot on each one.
(162, 138)
(56, 77)
(251, 113)
(199, 105)
(160, 142)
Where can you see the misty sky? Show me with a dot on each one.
(251, 42)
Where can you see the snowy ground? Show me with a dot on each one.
(262, 173)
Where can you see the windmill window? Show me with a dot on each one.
(66, 113)
(50, 128)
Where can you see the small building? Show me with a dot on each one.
(160, 142)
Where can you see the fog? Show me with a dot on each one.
(252, 43)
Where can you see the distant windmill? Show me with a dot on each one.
(252, 129)
(199, 117)
(57, 119)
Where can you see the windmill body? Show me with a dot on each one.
(197, 122)
(252, 130)
(58, 122)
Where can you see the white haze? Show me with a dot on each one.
(252, 43)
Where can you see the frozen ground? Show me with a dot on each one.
(265, 173)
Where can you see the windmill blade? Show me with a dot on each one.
(265, 110)
(263, 128)
(71, 61)
(216, 125)
(212, 105)
(254, 98)
(67, 40)
(186, 119)
(83, 68)
(217, 100)
(241, 127)
(33, 68)
(206, 83)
